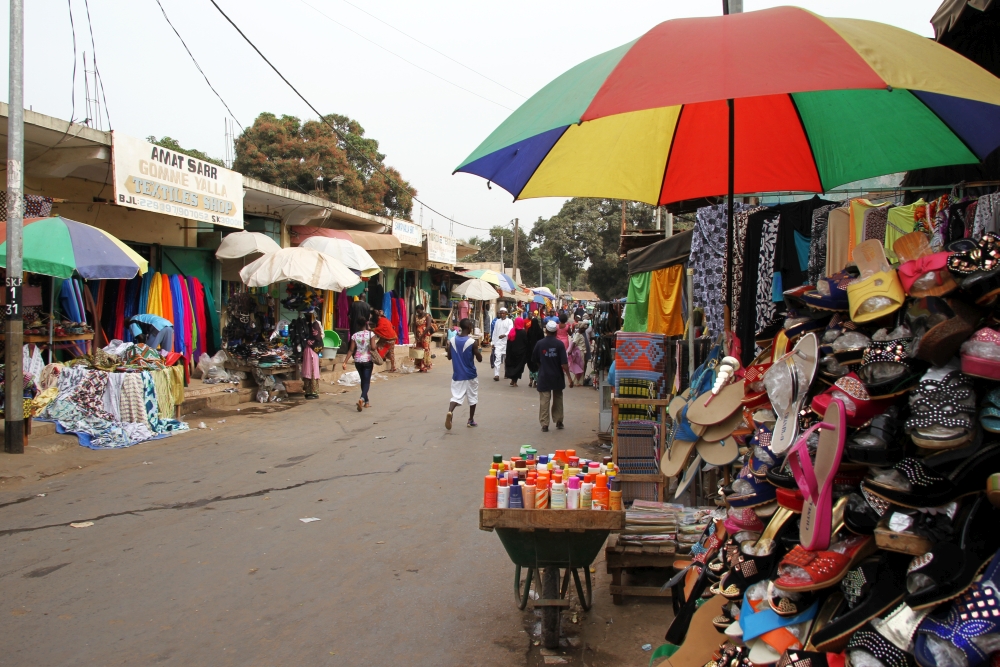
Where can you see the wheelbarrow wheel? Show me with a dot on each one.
(550, 615)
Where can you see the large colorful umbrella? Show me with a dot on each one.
(501, 280)
(792, 100)
(63, 248)
(477, 290)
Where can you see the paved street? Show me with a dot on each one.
(197, 555)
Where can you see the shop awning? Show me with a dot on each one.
(367, 240)
(660, 255)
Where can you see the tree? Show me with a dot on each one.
(308, 157)
(582, 242)
(172, 144)
(489, 248)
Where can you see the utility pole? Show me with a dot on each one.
(513, 262)
(501, 252)
(14, 389)
(540, 273)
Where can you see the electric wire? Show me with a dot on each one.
(72, 26)
(445, 55)
(343, 137)
(184, 44)
(408, 62)
(97, 72)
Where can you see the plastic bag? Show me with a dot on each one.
(212, 368)
(349, 379)
(262, 395)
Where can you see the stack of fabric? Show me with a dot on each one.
(648, 522)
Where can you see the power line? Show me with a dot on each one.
(97, 72)
(445, 55)
(424, 69)
(199, 66)
(72, 27)
(343, 137)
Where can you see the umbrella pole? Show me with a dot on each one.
(728, 310)
(52, 309)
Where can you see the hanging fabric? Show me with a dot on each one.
(637, 303)
(665, 298)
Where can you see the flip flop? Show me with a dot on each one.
(709, 409)
(878, 294)
(787, 384)
(689, 476)
(723, 429)
(718, 452)
(816, 481)
(676, 457)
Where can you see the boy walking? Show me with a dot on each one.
(463, 351)
(550, 356)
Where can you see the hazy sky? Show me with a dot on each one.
(425, 125)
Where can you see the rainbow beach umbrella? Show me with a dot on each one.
(779, 99)
(501, 280)
(64, 248)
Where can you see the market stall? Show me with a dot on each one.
(845, 392)
(111, 395)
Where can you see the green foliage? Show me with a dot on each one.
(489, 249)
(308, 156)
(583, 239)
(172, 144)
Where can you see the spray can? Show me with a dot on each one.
(573, 494)
(503, 494)
(516, 500)
(490, 491)
(558, 496)
(601, 497)
(586, 493)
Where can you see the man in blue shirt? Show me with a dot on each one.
(464, 378)
(550, 355)
(152, 330)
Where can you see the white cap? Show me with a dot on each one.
(503, 309)
(551, 326)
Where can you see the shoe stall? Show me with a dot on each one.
(846, 394)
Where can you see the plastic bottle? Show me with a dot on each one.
(516, 500)
(573, 494)
(503, 494)
(528, 495)
(490, 491)
(558, 496)
(615, 497)
(601, 496)
(542, 464)
(561, 456)
(542, 494)
(586, 492)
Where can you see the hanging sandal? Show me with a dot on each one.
(989, 415)
(888, 368)
(804, 570)
(911, 483)
(787, 383)
(816, 480)
(880, 442)
(859, 405)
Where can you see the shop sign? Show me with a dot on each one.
(157, 179)
(441, 249)
(407, 232)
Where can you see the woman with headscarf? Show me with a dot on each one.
(423, 327)
(387, 336)
(517, 352)
(577, 348)
(533, 334)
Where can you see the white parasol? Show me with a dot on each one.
(304, 265)
(477, 290)
(351, 254)
(241, 244)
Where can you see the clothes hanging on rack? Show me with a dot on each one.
(708, 257)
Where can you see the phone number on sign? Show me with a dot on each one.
(181, 211)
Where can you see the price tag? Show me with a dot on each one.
(12, 307)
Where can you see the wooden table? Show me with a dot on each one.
(619, 556)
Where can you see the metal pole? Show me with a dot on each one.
(52, 312)
(513, 261)
(729, 214)
(13, 329)
(501, 252)
(690, 286)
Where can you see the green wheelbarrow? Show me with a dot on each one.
(543, 542)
